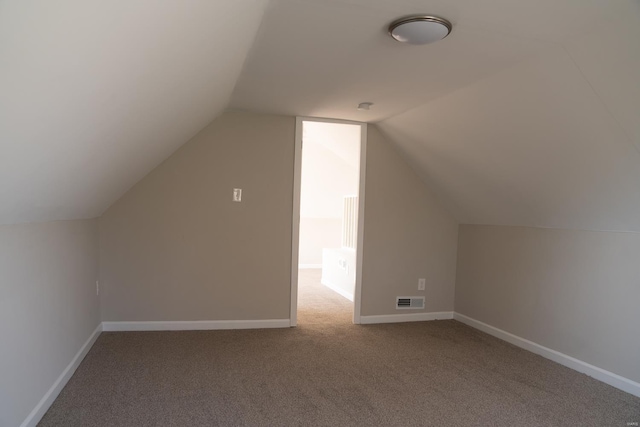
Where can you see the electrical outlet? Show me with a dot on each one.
(421, 284)
(97, 287)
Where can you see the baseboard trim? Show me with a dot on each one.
(43, 406)
(194, 325)
(600, 374)
(411, 317)
(303, 266)
(337, 290)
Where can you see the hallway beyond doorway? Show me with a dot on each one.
(318, 304)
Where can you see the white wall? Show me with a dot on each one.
(339, 271)
(330, 165)
(316, 234)
(575, 292)
(49, 307)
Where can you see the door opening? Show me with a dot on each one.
(328, 214)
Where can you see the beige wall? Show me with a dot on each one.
(576, 292)
(48, 309)
(176, 247)
(407, 235)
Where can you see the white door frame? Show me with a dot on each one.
(295, 234)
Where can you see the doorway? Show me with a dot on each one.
(328, 216)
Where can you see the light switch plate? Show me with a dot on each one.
(237, 194)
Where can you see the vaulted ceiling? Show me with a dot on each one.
(95, 94)
(527, 114)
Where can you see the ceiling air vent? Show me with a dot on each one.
(409, 302)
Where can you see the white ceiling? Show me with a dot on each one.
(532, 146)
(328, 147)
(94, 94)
(527, 114)
(322, 58)
(341, 139)
(553, 141)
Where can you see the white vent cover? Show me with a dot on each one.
(409, 302)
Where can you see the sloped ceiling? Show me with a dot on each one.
(322, 58)
(553, 141)
(527, 114)
(342, 140)
(94, 94)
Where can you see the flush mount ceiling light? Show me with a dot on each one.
(365, 106)
(421, 29)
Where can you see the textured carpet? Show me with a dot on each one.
(329, 372)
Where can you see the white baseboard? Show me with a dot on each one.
(195, 325)
(337, 289)
(600, 374)
(43, 406)
(411, 317)
(303, 266)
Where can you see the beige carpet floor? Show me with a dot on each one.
(328, 372)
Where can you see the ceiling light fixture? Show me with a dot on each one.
(365, 106)
(421, 29)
